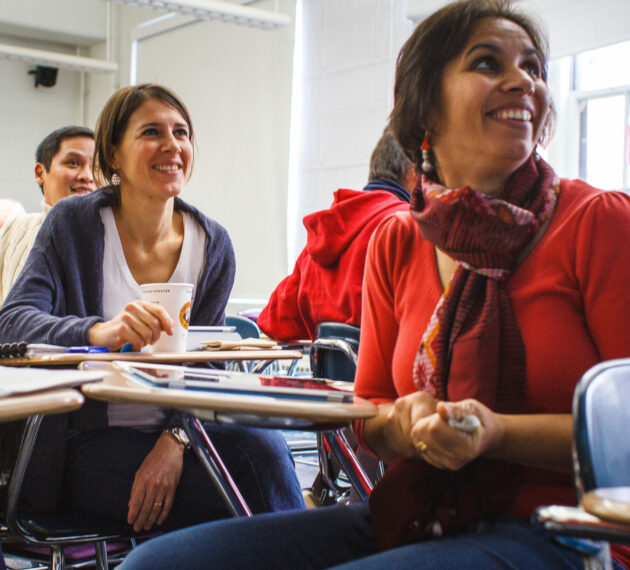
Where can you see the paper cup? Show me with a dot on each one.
(176, 299)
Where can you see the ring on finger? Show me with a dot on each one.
(421, 446)
(157, 503)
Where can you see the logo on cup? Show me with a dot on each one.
(184, 315)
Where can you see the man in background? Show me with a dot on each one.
(63, 168)
(326, 282)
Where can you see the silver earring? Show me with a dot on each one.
(116, 179)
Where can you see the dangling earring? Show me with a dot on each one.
(426, 157)
(116, 179)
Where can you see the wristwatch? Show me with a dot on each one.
(180, 437)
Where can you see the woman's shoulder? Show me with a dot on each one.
(85, 203)
(399, 223)
(398, 227)
(210, 226)
(579, 201)
(576, 194)
(77, 212)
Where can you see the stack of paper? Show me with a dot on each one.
(18, 381)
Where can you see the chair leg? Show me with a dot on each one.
(100, 549)
(57, 559)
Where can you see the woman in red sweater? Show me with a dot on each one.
(482, 307)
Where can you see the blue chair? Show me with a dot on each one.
(601, 416)
(244, 326)
(334, 351)
(601, 409)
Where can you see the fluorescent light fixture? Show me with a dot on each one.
(217, 10)
(54, 59)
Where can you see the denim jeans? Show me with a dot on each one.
(341, 536)
(101, 465)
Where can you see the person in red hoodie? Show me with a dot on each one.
(326, 282)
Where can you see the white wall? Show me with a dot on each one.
(573, 25)
(27, 115)
(349, 49)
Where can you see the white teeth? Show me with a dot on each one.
(515, 114)
(167, 168)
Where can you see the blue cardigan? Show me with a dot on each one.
(58, 296)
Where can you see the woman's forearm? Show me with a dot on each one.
(374, 433)
(535, 440)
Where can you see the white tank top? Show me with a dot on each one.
(120, 287)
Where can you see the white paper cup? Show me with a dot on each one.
(176, 299)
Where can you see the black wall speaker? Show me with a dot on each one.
(45, 76)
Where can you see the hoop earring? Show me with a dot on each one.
(427, 166)
(116, 179)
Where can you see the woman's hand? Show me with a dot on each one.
(447, 447)
(389, 432)
(139, 323)
(155, 483)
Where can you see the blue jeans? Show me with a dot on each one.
(341, 536)
(101, 465)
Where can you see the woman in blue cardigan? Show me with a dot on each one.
(81, 285)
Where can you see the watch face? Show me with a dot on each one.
(182, 434)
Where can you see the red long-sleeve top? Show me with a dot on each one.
(571, 298)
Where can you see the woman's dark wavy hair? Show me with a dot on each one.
(434, 43)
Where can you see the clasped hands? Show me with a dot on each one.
(421, 427)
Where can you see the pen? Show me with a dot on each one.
(87, 349)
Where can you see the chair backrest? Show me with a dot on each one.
(244, 326)
(334, 351)
(601, 413)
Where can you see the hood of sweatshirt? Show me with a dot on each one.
(330, 232)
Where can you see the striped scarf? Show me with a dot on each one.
(472, 347)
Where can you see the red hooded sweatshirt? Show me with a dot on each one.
(326, 282)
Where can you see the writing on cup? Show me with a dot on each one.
(176, 298)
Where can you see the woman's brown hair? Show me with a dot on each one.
(434, 43)
(114, 118)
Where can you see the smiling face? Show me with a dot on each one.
(70, 170)
(154, 157)
(494, 105)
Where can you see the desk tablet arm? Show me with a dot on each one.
(560, 520)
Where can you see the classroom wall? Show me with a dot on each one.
(349, 51)
(28, 114)
(573, 25)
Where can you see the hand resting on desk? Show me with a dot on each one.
(139, 323)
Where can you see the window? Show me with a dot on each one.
(602, 89)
